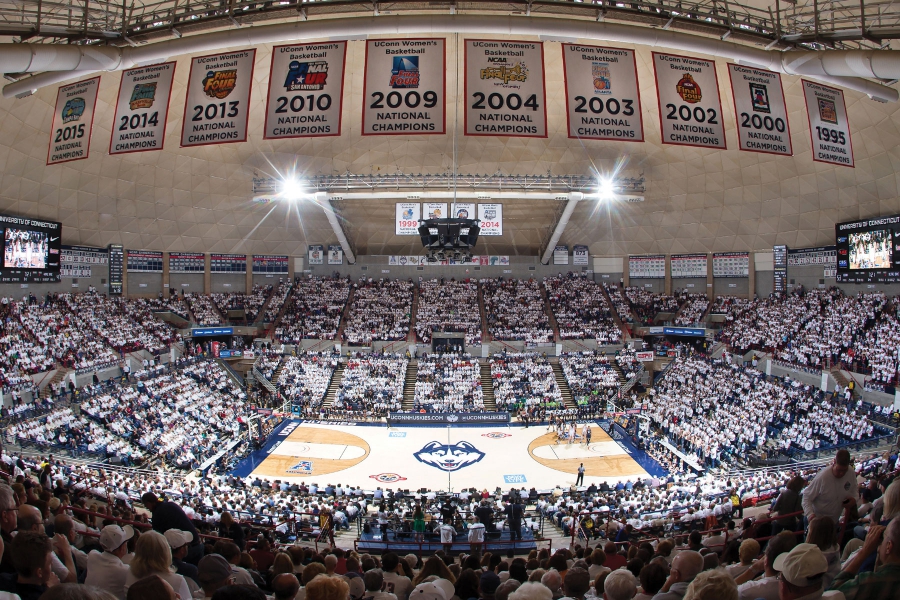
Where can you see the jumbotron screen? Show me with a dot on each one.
(868, 251)
(30, 250)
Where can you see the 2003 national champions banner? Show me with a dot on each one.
(602, 97)
(828, 124)
(505, 94)
(306, 90)
(690, 111)
(142, 109)
(217, 105)
(404, 87)
(73, 120)
(762, 117)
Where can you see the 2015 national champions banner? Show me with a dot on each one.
(404, 93)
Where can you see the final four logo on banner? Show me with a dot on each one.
(139, 124)
(216, 107)
(73, 120)
(316, 254)
(690, 111)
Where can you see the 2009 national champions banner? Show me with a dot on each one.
(73, 120)
(404, 87)
(762, 117)
(828, 124)
(142, 109)
(690, 111)
(602, 97)
(217, 105)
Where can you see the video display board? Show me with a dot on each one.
(868, 250)
(31, 250)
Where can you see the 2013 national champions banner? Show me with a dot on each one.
(217, 104)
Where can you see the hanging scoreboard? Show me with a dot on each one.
(690, 110)
(828, 124)
(139, 124)
(217, 103)
(73, 120)
(404, 88)
(306, 90)
(504, 89)
(602, 97)
(762, 118)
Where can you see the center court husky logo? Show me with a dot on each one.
(449, 457)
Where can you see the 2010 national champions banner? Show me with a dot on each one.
(504, 89)
(404, 87)
(73, 121)
(602, 97)
(762, 117)
(217, 105)
(142, 109)
(306, 91)
(690, 110)
(828, 124)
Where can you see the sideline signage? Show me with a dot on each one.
(404, 87)
(762, 117)
(399, 418)
(829, 128)
(504, 88)
(306, 90)
(142, 109)
(602, 97)
(217, 103)
(208, 331)
(73, 120)
(690, 110)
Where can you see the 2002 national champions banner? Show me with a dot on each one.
(73, 120)
(142, 109)
(828, 124)
(602, 97)
(404, 87)
(216, 108)
(762, 117)
(690, 111)
(306, 90)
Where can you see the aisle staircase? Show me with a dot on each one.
(485, 336)
(547, 309)
(409, 385)
(563, 385)
(61, 373)
(333, 385)
(414, 308)
(615, 314)
(487, 387)
(344, 315)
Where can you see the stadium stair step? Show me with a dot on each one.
(409, 385)
(487, 387)
(344, 316)
(485, 336)
(261, 315)
(615, 314)
(333, 385)
(553, 324)
(411, 337)
(277, 374)
(283, 309)
(563, 385)
(61, 373)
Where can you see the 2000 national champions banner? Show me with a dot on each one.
(762, 118)
(142, 109)
(73, 120)
(217, 105)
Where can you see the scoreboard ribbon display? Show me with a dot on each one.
(404, 89)
(217, 105)
(306, 91)
(602, 97)
(142, 109)
(762, 117)
(73, 120)
(690, 110)
(504, 89)
(828, 124)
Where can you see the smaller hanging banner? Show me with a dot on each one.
(335, 254)
(491, 217)
(762, 118)
(407, 218)
(828, 125)
(580, 255)
(316, 254)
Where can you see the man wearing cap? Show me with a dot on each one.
(833, 489)
(766, 588)
(214, 572)
(168, 515)
(802, 573)
(179, 541)
(106, 570)
(884, 583)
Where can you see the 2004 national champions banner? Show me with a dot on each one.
(306, 90)
(73, 120)
(216, 108)
(762, 117)
(505, 92)
(828, 124)
(690, 111)
(404, 87)
(602, 97)
(142, 109)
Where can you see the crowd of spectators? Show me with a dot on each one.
(226, 301)
(371, 385)
(647, 305)
(729, 305)
(522, 380)
(203, 308)
(693, 307)
(448, 305)
(20, 356)
(380, 311)
(515, 310)
(173, 303)
(581, 310)
(313, 310)
(304, 379)
(448, 381)
(257, 298)
(620, 303)
(278, 299)
(877, 350)
(591, 378)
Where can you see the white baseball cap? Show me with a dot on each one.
(427, 591)
(802, 566)
(178, 538)
(113, 536)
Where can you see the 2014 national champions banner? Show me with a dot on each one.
(405, 93)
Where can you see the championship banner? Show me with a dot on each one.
(505, 90)
(602, 97)
(407, 218)
(434, 210)
(762, 117)
(142, 109)
(491, 217)
(404, 87)
(690, 110)
(561, 255)
(306, 91)
(685, 266)
(731, 264)
(335, 254)
(216, 107)
(828, 125)
(647, 267)
(462, 210)
(316, 254)
(580, 255)
(73, 120)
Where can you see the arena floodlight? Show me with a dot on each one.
(606, 188)
(292, 189)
